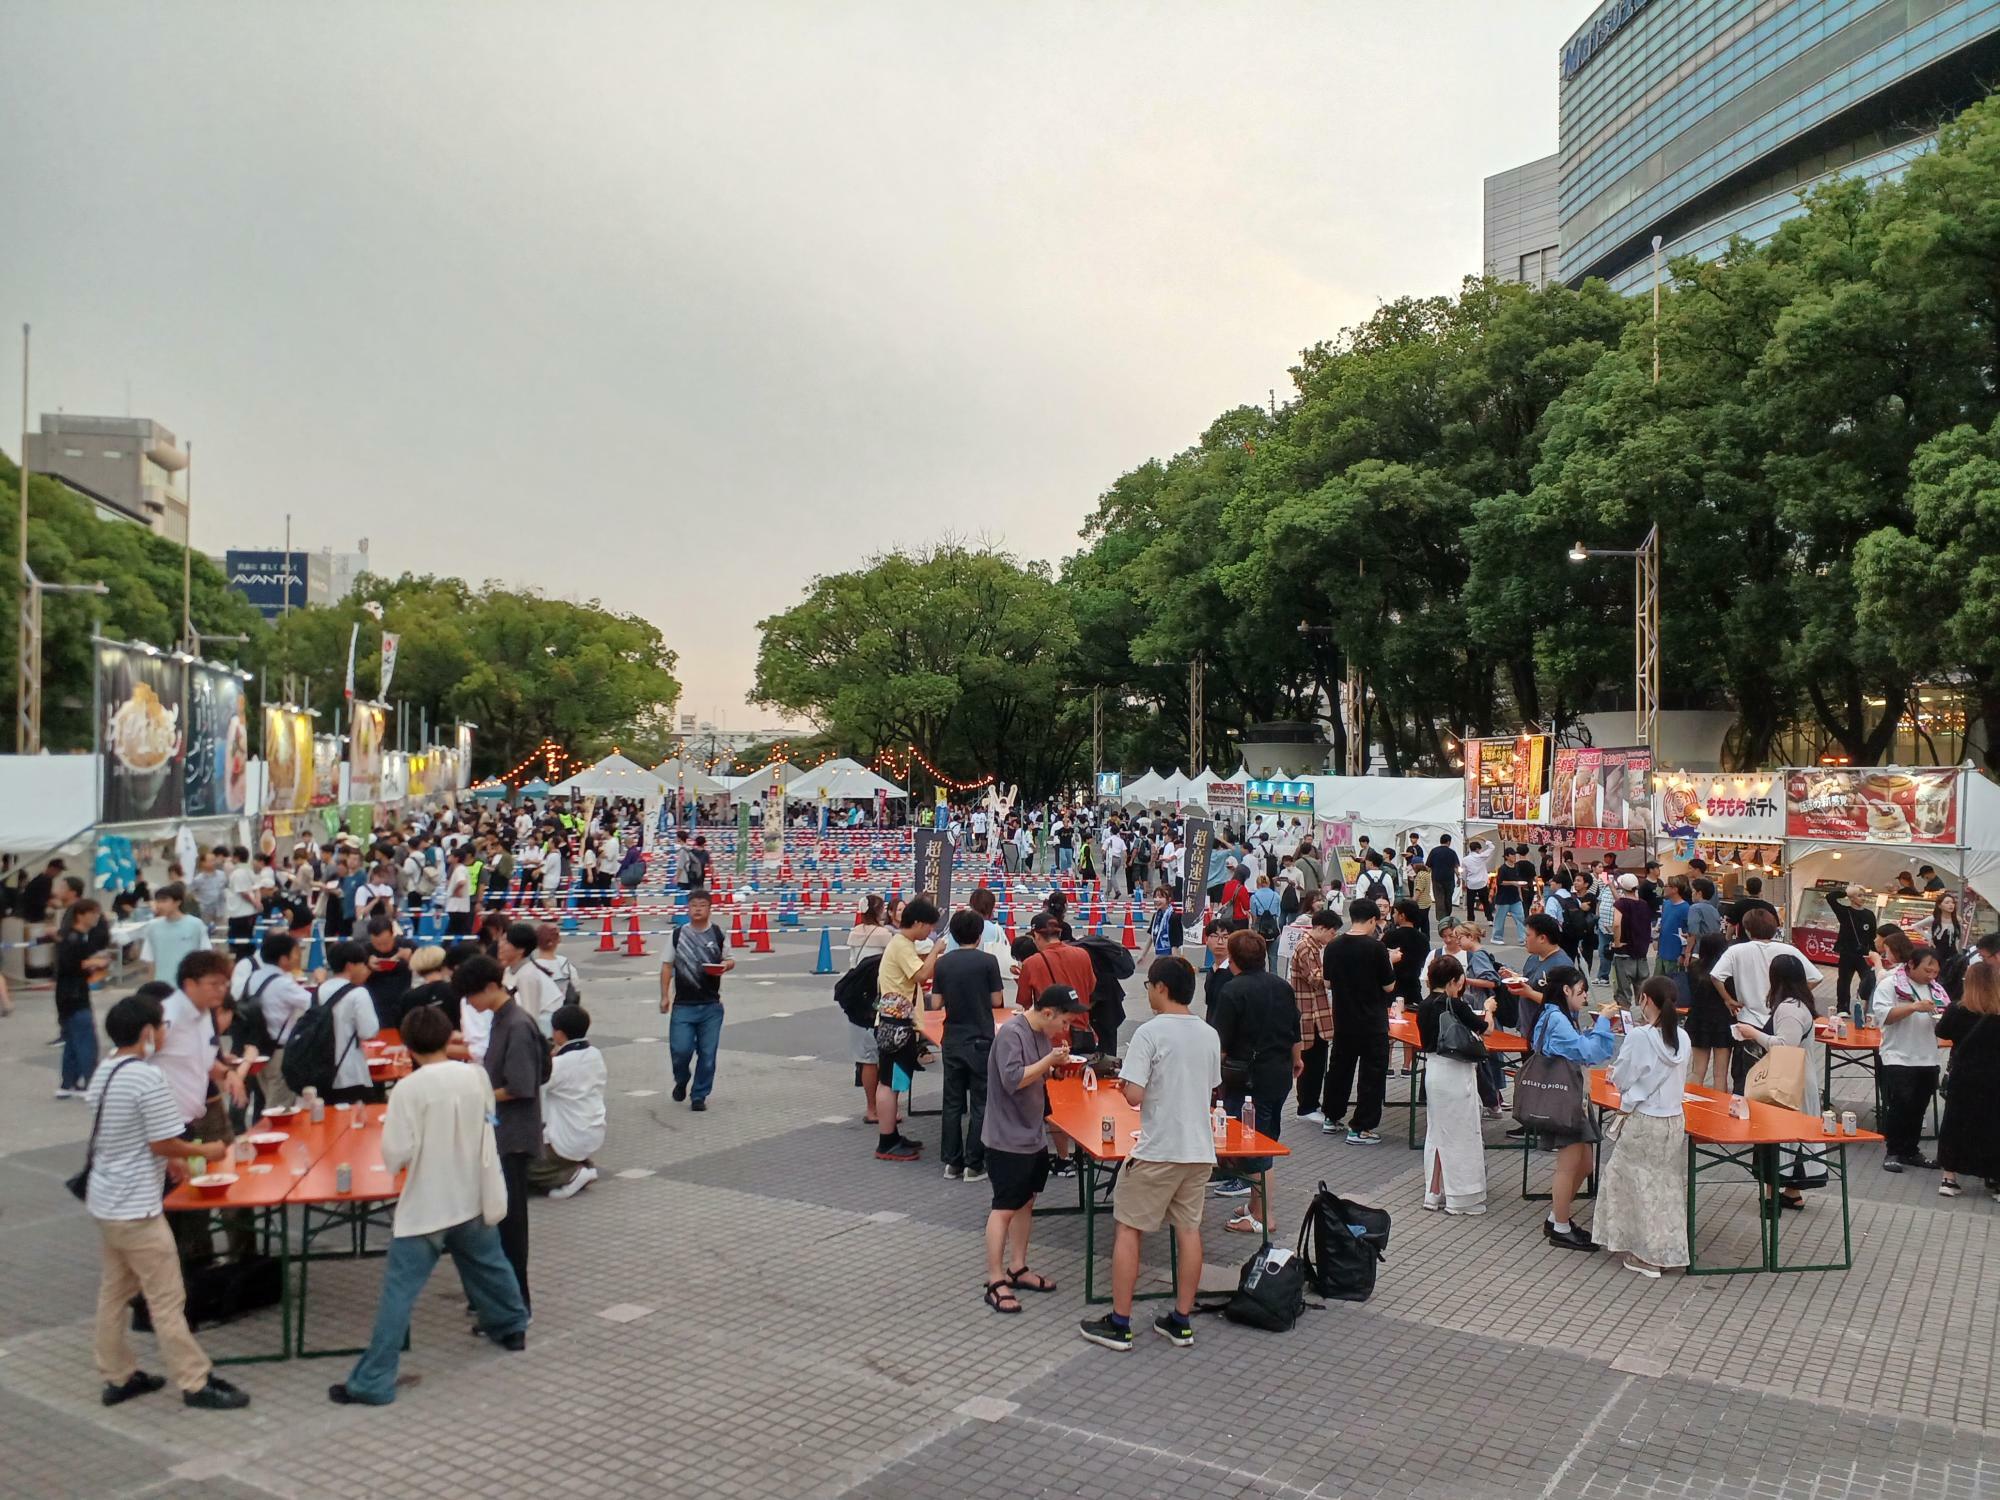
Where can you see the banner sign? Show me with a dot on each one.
(933, 874)
(1200, 845)
(288, 759)
(1602, 789)
(1110, 783)
(881, 807)
(1719, 805)
(326, 770)
(1503, 778)
(1281, 799)
(1334, 833)
(215, 768)
(364, 753)
(139, 733)
(1226, 796)
(389, 644)
(1574, 838)
(1873, 805)
(774, 823)
(742, 838)
(463, 750)
(395, 777)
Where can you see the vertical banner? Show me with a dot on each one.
(215, 767)
(288, 760)
(933, 872)
(774, 822)
(742, 838)
(881, 807)
(464, 748)
(353, 640)
(389, 645)
(139, 733)
(1200, 845)
(364, 753)
(325, 770)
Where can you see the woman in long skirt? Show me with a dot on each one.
(1454, 1155)
(1642, 1200)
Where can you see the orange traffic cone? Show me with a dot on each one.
(825, 895)
(635, 940)
(1129, 938)
(736, 928)
(607, 941)
(760, 931)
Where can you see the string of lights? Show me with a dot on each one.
(912, 755)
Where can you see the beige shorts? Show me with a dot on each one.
(1152, 1193)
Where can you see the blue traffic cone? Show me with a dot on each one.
(1207, 958)
(569, 922)
(825, 964)
(316, 960)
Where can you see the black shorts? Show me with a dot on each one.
(1016, 1176)
(903, 1058)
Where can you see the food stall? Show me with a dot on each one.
(1733, 821)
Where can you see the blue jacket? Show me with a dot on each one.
(1556, 1036)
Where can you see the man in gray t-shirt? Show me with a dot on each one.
(1031, 1045)
(691, 997)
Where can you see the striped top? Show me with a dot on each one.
(125, 1176)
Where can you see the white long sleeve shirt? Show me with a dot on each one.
(1912, 1041)
(573, 1102)
(1650, 1079)
(438, 1120)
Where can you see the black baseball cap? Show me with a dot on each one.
(1058, 997)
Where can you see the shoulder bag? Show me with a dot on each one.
(79, 1185)
(1549, 1095)
(1456, 1039)
(1778, 1077)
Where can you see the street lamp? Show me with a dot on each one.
(1645, 629)
(1350, 705)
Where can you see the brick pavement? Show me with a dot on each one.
(761, 1309)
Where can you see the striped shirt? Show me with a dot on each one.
(125, 1176)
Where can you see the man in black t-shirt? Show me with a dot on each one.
(1360, 981)
(967, 980)
(389, 976)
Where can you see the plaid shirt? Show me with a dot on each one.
(1309, 984)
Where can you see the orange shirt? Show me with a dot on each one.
(1060, 963)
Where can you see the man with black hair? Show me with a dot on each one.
(691, 996)
(138, 1126)
(389, 975)
(967, 981)
(1033, 1044)
(1360, 979)
(517, 1065)
(1308, 976)
(1704, 916)
(572, 1108)
(354, 1022)
(531, 983)
(1172, 1067)
(1257, 1024)
(173, 933)
(900, 977)
(268, 1005)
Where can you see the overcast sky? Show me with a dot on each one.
(675, 305)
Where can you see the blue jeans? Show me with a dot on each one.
(79, 1052)
(1501, 913)
(1065, 858)
(693, 1033)
(1603, 956)
(489, 1283)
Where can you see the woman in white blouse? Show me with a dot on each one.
(1642, 1203)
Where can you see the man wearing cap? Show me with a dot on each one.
(1033, 1043)
(1055, 962)
(1631, 940)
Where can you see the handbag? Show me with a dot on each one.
(1456, 1039)
(79, 1185)
(492, 1181)
(1549, 1096)
(893, 1036)
(1778, 1077)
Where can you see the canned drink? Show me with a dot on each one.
(1829, 1122)
(1106, 1130)
(1840, 1026)
(1849, 1124)
(343, 1178)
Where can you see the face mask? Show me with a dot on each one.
(147, 1048)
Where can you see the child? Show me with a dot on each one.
(572, 1108)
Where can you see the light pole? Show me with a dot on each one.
(1645, 629)
(1356, 756)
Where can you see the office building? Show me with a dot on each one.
(1522, 238)
(129, 468)
(1698, 120)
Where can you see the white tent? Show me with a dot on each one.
(687, 777)
(750, 788)
(48, 803)
(841, 781)
(1143, 788)
(1385, 806)
(614, 776)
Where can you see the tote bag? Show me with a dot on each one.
(1778, 1077)
(1549, 1096)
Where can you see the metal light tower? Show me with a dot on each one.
(1645, 629)
(1196, 714)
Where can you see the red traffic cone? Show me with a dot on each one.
(825, 894)
(760, 931)
(1129, 939)
(607, 941)
(736, 928)
(635, 940)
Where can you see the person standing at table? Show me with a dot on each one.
(438, 1125)
(1969, 1138)
(1744, 974)
(1907, 1008)
(1642, 1200)
(1454, 1155)
(137, 1128)
(1033, 1044)
(517, 1065)
(1308, 974)
(967, 980)
(1171, 1070)
(904, 971)
(1257, 1022)
(1361, 979)
(1565, 991)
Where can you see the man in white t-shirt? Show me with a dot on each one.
(239, 903)
(1745, 972)
(137, 1127)
(1113, 845)
(1474, 871)
(530, 983)
(1172, 1067)
(458, 894)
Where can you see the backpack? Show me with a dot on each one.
(1267, 926)
(1340, 1244)
(1270, 1292)
(632, 869)
(1377, 886)
(309, 1061)
(250, 1028)
(857, 991)
(1576, 921)
(1111, 963)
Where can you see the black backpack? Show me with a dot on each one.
(1340, 1244)
(857, 991)
(1111, 963)
(309, 1060)
(1270, 1292)
(250, 1028)
(1576, 921)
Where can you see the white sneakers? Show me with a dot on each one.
(1313, 1117)
(585, 1176)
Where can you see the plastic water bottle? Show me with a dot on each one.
(1249, 1118)
(1218, 1123)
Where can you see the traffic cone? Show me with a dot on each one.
(635, 940)
(607, 940)
(736, 928)
(760, 931)
(1129, 939)
(825, 964)
(826, 899)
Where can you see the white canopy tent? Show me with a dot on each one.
(841, 780)
(1385, 806)
(48, 803)
(614, 776)
(687, 777)
(1143, 788)
(750, 788)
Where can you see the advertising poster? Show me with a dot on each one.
(288, 760)
(1200, 845)
(463, 749)
(395, 777)
(774, 824)
(1226, 796)
(1503, 778)
(420, 776)
(1110, 783)
(1720, 805)
(325, 770)
(139, 732)
(364, 753)
(1281, 799)
(742, 838)
(1606, 789)
(1873, 805)
(1331, 834)
(933, 873)
(215, 763)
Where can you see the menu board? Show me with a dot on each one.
(1873, 805)
(215, 764)
(1281, 799)
(1503, 778)
(139, 733)
(1602, 789)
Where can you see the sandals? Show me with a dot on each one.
(1019, 1279)
(998, 1290)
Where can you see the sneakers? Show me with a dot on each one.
(1330, 1127)
(680, 1092)
(1313, 1117)
(1948, 1190)
(583, 1178)
(700, 1106)
(954, 1174)
(513, 1342)
(975, 1174)
(1107, 1334)
(140, 1384)
(1063, 1168)
(217, 1395)
(1363, 1138)
(1231, 1187)
(1891, 1164)
(68, 1093)
(1576, 1238)
(1175, 1329)
(898, 1150)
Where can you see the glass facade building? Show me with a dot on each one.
(1698, 120)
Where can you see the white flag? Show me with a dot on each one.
(353, 637)
(389, 644)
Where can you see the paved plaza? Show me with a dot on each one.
(749, 1305)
